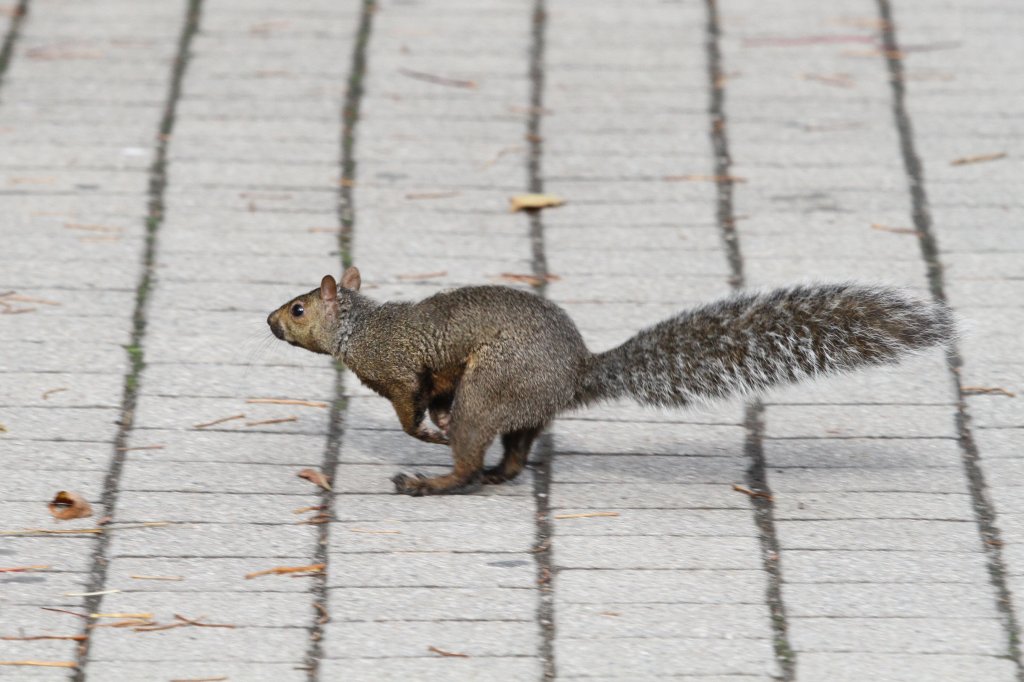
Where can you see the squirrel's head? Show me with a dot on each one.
(320, 320)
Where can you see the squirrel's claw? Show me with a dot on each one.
(432, 436)
(418, 485)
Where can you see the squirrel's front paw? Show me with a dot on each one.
(432, 436)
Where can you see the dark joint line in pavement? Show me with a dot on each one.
(18, 14)
(756, 478)
(351, 104)
(155, 206)
(543, 450)
(988, 531)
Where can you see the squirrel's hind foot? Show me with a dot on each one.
(418, 485)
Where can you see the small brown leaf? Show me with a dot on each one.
(423, 275)
(43, 664)
(450, 654)
(439, 80)
(987, 390)
(532, 280)
(534, 201)
(980, 158)
(586, 515)
(751, 493)
(67, 505)
(895, 230)
(314, 476)
(283, 570)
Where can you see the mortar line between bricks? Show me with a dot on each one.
(155, 204)
(544, 449)
(332, 450)
(921, 215)
(11, 38)
(756, 476)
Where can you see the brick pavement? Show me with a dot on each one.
(170, 172)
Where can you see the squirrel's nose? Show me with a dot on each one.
(274, 327)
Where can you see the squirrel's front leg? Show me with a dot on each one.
(470, 439)
(411, 409)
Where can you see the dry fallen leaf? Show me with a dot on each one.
(282, 570)
(751, 493)
(535, 201)
(67, 505)
(987, 390)
(3, 429)
(439, 80)
(43, 664)
(314, 476)
(585, 515)
(450, 654)
(895, 230)
(981, 158)
(532, 280)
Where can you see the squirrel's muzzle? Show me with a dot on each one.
(275, 326)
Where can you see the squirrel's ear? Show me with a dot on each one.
(350, 278)
(328, 288)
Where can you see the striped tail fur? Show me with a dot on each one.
(750, 342)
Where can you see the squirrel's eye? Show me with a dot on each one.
(297, 310)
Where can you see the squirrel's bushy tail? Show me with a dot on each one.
(752, 341)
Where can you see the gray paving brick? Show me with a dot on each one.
(204, 575)
(40, 485)
(514, 669)
(826, 421)
(64, 553)
(127, 671)
(945, 479)
(683, 621)
(648, 469)
(645, 657)
(909, 565)
(226, 447)
(184, 413)
(648, 495)
(663, 438)
(38, 389)
(240, 645)
(663, 553)
(257, 608)
(404, 639)
(203, 477)
(477, 535)
(863, 453)
(862, 600)
(432, 604)
(213, 507)
(902, 667)
(216, 540)
(439, 569)
(980, 636)
(952, 536)
(45, 456)
(659, 522)
(824, 505)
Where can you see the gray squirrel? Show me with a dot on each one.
(486, 361)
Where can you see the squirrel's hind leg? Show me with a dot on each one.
(469, 441)
(517, 449)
